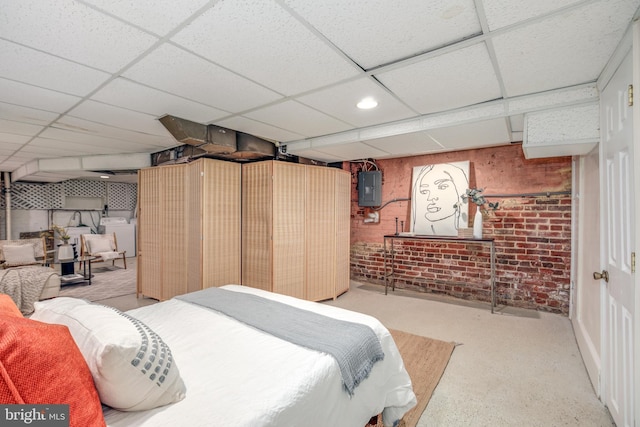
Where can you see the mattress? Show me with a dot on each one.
(239, 376)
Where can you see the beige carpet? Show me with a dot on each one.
(107, 282)
(425, 360)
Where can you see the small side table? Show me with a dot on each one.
(75, 278)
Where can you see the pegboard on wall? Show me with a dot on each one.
(84, 188)
(119, 196)
(34, 196)
(122, 196)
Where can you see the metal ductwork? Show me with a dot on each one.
(210, 138)
(218, 141)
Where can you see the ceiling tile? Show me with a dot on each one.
(37, 98)
(298, 118)
(133, 96)
(86, 144)
(145, 141)
(13, 139)
(157, 16)
(118, 117)
(472, 135)
(30, 66)
(61, 148)
(550, 53)
(448, 81)
(6, 150)
(377, 32)
(20, 128)
(186, 75)
(278, 52)
(74, 31)
(502, 13)
(340, 102)
(258, 129)
(334, 153)
(405, 145)
(25, 115)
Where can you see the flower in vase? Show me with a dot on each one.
(474, 195)
(61, 232)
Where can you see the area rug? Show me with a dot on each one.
(107, 282)
(425, 360)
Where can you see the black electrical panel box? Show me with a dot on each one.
(370, 188)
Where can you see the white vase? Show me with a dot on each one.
(65, 252)
(477, 224)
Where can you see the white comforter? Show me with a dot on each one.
(237, 376)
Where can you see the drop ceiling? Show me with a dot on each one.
(83, 83)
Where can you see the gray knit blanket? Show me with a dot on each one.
(354, 346)
(24, 285)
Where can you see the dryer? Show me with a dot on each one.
(125, 233)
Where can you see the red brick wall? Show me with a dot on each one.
(532, 232)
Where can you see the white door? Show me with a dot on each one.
(618, 230)
(586, 294)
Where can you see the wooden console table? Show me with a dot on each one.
(391, 238)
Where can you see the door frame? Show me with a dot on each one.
(586, 293)
(636, 197)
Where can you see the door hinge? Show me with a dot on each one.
(633, 262)
(630, 95)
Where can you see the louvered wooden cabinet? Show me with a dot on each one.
(295, 229)
(189, 232)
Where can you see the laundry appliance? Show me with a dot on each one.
(125, 233)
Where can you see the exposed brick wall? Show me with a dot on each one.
(532, 232)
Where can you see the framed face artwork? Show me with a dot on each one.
(437, 207)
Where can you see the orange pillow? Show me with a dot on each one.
(40, 363)
(8, 307)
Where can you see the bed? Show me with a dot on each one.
(237, 375)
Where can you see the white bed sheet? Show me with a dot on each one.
(239, 376)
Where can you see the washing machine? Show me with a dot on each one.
(125, 233)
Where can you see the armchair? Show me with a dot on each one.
(102, 246)
(23, 252)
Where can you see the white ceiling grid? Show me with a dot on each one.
(91, 77)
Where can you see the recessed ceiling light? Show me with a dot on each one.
(367, 103)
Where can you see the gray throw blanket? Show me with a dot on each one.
(24, 285)
(353, 345)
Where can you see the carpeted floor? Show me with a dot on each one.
(107, 282)
(425, 360)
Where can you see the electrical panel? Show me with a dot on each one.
(370, 188)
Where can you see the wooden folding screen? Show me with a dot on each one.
(188, 227)
(295, 229)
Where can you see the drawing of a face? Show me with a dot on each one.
(437, 186)
(437, 207)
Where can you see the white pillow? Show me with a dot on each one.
(19, 254)
(99, 245)
(132, 367)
